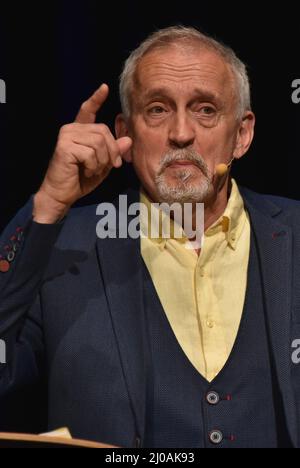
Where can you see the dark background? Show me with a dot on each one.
(54, 55)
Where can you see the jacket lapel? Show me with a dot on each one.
(121, 266)
(274, 244)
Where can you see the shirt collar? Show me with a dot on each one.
(231, 223)
(233, 219)
(163, 217)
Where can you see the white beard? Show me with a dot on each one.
(183, 189)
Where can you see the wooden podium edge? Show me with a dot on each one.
(52, 440)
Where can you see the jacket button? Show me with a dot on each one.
(213, 398)
(216, 437)
(4, 266)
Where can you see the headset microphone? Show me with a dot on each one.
(221, 169)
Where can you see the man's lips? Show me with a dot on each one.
(182, 163)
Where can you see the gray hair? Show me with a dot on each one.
(182, 34)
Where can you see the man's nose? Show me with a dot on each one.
(182, 131)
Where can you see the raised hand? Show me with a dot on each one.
(84, 156)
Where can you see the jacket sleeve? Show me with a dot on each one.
(25, 250)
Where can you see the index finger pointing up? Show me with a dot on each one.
(89, 109)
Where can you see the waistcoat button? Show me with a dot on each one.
(216, 437)
(213, 398)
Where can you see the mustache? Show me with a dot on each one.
(184, 155)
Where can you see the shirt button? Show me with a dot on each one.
(216, 437)
(210, 323)
(202, 273)
(213, 398)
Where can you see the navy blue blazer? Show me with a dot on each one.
(72, 318)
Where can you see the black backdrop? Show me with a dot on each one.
(54, 55)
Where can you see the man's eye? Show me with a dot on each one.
(156, 110)
(207, 110)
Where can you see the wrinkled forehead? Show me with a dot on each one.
(183, 68)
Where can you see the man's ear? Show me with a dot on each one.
(245, 135)
(122, 130)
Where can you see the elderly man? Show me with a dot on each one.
(145, 342)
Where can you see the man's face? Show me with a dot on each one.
(183, 122)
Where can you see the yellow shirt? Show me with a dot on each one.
(203, 296)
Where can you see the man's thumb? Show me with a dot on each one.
(124, 144)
